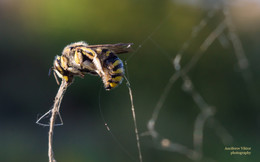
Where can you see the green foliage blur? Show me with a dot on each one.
(32, 33)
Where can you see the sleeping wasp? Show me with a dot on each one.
(79, 59)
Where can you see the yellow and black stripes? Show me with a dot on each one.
(83, 57)
(79, 59)
(115, 70)
(84, 54)
(60, 67)
(88, 52)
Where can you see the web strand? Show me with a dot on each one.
(242, 60)
(223, 31)
(220, 28)
(110, 130)
(207, 112)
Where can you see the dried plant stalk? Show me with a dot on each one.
(54, 112)
(135, 123)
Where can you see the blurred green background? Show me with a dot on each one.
(33, 32)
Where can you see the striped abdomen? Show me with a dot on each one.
(113, 69)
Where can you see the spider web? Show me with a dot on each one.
(225, 33)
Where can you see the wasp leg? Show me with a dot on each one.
(64, 62)
(98, 66)
(76, 71)
(78, 58)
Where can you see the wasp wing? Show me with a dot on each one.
(118, 48)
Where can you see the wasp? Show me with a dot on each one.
(79, 59)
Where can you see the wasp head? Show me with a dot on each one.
(60, 66)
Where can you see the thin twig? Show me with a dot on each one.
(54, 112)
(135, 123)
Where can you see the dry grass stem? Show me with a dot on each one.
(135, 123)
(54, 112)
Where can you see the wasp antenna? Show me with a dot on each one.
(55, 76)
(50, 69)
